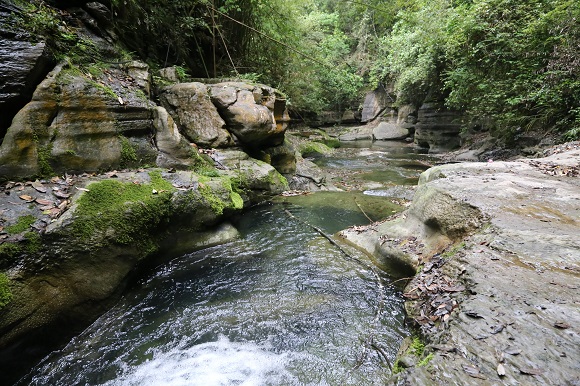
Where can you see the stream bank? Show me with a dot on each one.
(496, 250)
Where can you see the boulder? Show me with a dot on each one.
(23, 64)
(174, 150)
(195, 115)
(375, 102)
(76, 124)
(255, 114)
(437, 128)
(389, 131)
(357, 133)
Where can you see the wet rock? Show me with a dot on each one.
(356, 133)
(195, 115)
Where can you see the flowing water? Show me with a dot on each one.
(279, 306)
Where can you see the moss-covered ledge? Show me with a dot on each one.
(70, 245)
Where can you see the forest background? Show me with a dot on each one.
(507, 65)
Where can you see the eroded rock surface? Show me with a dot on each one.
(497, 251)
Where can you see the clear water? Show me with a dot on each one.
(279, 306)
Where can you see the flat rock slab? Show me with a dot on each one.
(511, 286)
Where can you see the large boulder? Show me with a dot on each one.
(375, 102)
(77, 124)
(195, 115)
(389, 131)
(437, 127)
(255, 114)
(174, 150)
(22, 66)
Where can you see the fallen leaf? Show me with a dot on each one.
(473, 314)
(46, 207)
(473, 371)
(121, 101)
(500, 370)
(562, 325)
(530, 371)
(26, 197)
(37, 185)
(60, 194)
(42, 201)
(497, 329)
(82, 189)
(513, 351)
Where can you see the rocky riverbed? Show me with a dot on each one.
(497, 254)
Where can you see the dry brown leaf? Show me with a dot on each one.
(26, 197)
(60, 194)
(82, 189)
(530, 371)
(473, 371)
(562, 325)
(42, 201)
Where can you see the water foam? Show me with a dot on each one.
(210, 364)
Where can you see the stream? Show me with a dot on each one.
(278, 306)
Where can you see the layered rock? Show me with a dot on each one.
(74, 124)
(256, 115)
(22, 66)
(195, 114)
(437, 128)
(496, 249)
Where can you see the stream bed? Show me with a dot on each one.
(278, 306)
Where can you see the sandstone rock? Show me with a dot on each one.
(195, 115)
(74, 124)
(375, 102)
(389, 131)
(256, 115)
(437, 128)
(22, 66)
(282, 158)
(139, 71)
(357, 133)
(257, 178)
(516, 253)
(174, 150)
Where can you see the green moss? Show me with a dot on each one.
(128, 153)
(44, 157)
(216, 204)
(314, 148)
(22, 224)
(5, 293)
(9, 251)
(397, 368)
(425, 360)
(33, 242)
(450, 252)
(126, 210)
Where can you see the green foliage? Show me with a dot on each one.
(22, 224)
(417, 346)
(425, 361)
(5, 293)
